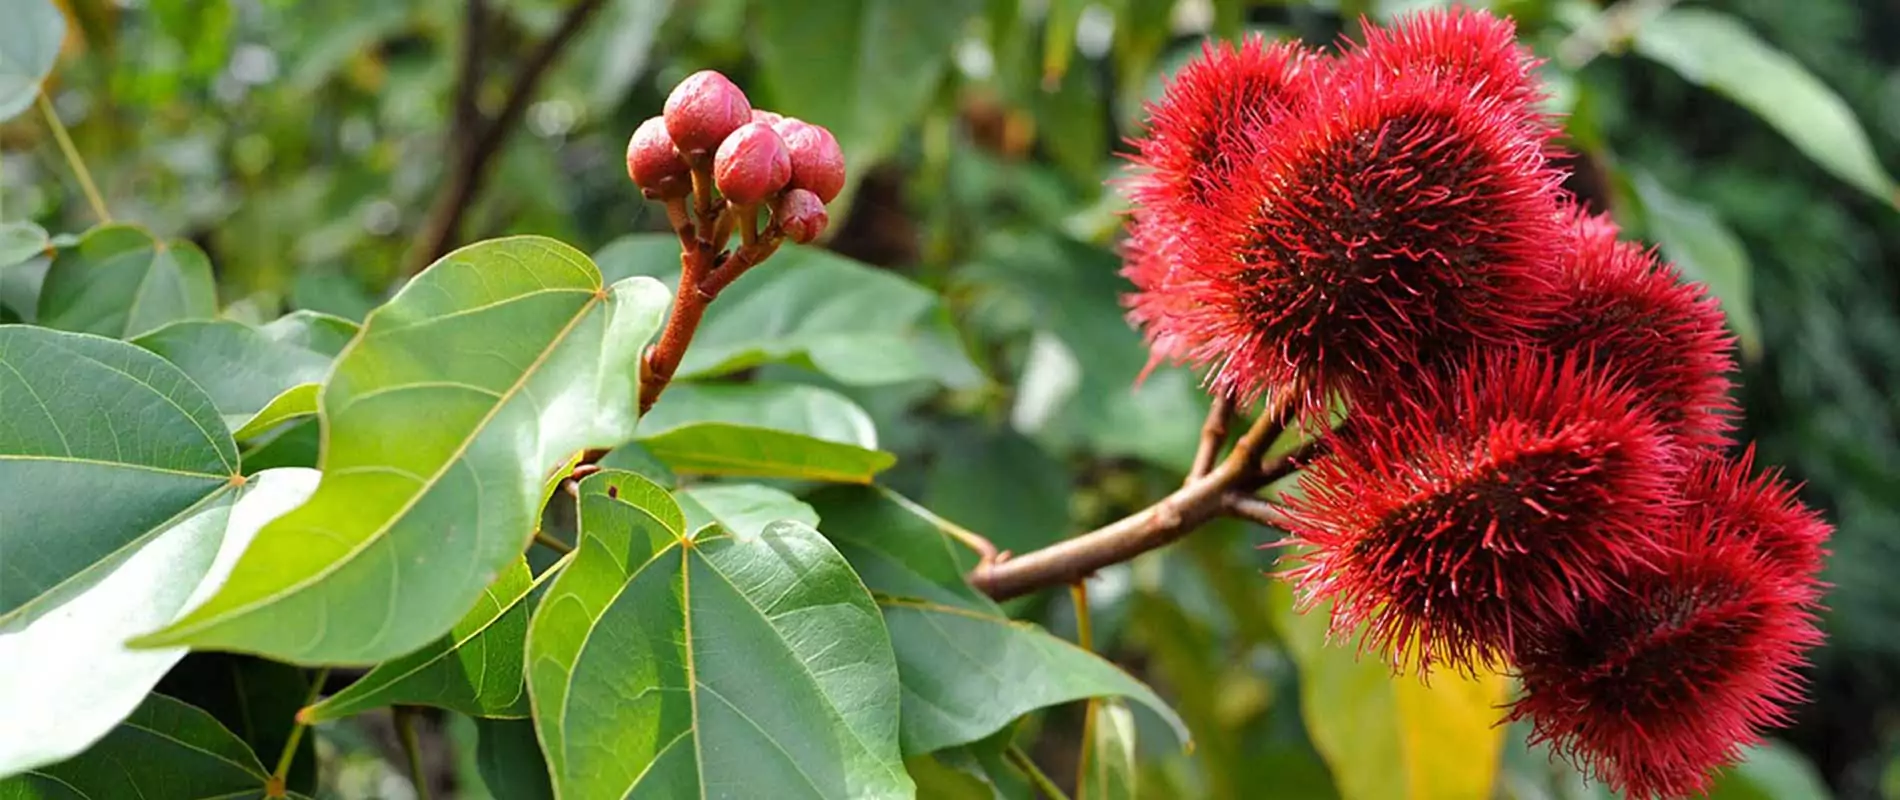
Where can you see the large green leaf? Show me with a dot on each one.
(1770, 771)
(1001, 483)
(256, 699)
(1387, 736)
(166, 750)
(667, 666)
(476, 669)
(441, 424)
(29, 43)
(1110, 773)
(966, 669)
(243, 369)
(763, 430)
(1715, 50)
(866, 69)
(293, 403)
(859, 325)
(121, 281)
(508, 758)
(314, 331)
(745, 509)
(20, 241)
(1705, 250)
(66, 676)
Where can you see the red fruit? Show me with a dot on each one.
(1473, 50)
(1654, 688)
(767, 117)
(703, 110)
(817, 162)
(1394, 225)
(1723, 504)
(801, 215)
(1517, 486)
(752, 164)
(1625, 311)
(654, 165)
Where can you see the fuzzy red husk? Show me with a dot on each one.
(1723, 501)
(1652, 690)
(1626, 311)
(1468, 48)
(1516, 490)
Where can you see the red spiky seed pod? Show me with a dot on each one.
(1653, 689)
(1398, 223)
(1724, 501)
(1467, 48)
(1508, 493)
(654, 165)
(1624, 309)
(703, 110)
(752, 164)
(801, 215)
(817, 161)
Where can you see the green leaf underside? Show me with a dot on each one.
(764, 430)
(441, 423)
(1112, 773)
(475, 670)
(861, 326)
(121, 281)
(166, 750)
(509, 760)
(242, 368)
(296, 401)
(66, 676)
(662, 667)
(88, 417)
(29, 43)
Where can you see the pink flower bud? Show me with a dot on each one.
(801, 215)
(817, 163)
(751, 165)
(703, 110)
(654, 165)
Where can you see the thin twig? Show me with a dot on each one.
(1085, 639)
(1156, 526)
(72, 158)
(1253, 509)
(548, 541)
(1213, 437)
(1036, 776)
(700, 281)
(405, 717)
(468, 114)
(280, 777)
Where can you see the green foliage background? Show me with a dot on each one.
(301, 146)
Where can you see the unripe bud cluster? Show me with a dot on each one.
(752, 156)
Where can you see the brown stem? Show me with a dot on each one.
(1158, 525)
(1253, 509)
(475, 146)
(1213, 436)
(468, 84)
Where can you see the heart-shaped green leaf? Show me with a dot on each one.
(667, 666)
(29, 43)
(763, 430)
(243, 369)
(860, 325)
(441, 424)
(66, 676)
(254, 698)
(166, 750)
(476, 669)
(20, 241)
(745, 509)
(121, 281)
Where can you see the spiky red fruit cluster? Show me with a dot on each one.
(1533, 471)
(751, 156)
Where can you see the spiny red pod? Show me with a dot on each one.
(1622, 308)
(817, 161)
(752, 164)
(654, 165)
(1400, 221)
(1653, 689)
(801, 215)
(1471, 49)
(703, 110)
(1724, 503)
(1517, 486)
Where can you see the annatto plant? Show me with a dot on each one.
(1507, 425)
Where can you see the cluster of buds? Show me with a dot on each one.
(1534, 473)
(710, 139)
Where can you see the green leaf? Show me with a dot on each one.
(1387, 736)
(1715, 50)
(613, 51)
(1705, 250)
(440, 424)
(66, 676)
(296, 401)
(1001, 483)
(662, 666)
(1770, 771)
(29, 44)
(20, 289)
(859, 325)
(20, 241)
(313, 331)
(745, 509)
(509, 760)
(763, 430)
(475, 670)
(255, 699)
(866, 69)
(243, 369)
(165, 750)
(121, 281)
(967, 670)
(1111, 773)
